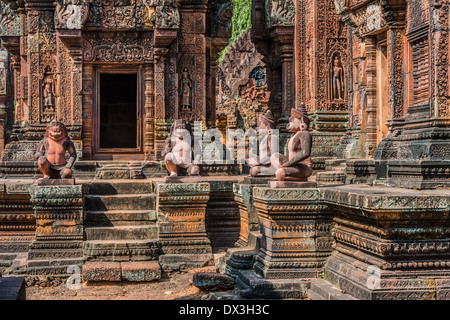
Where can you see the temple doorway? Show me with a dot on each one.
(118, 129)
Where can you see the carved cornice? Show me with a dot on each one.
(373, 16)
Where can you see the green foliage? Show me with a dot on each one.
(241, 21)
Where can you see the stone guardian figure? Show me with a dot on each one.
(178, 149)
(51, 152)
(297, 165)
(262, 166)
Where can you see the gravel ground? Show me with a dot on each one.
(178, 287)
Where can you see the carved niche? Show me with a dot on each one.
(47, 86)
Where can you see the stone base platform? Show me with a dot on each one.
(258, 180)
(292, 184)
(254, 286)
(320, 289)
(183, 179)
(242, 258)
(184, 262)
(55, 182)
(121, 271)
(390, 243)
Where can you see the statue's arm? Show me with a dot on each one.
(197, 151)
(73, 154)
(303, 154)
(167, 148)
(40, 150)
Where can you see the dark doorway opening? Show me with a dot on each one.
(118, 111)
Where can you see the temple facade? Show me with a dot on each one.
(363, 85)
(116, 72)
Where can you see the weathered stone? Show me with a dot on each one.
(59, 229)
(254, 286)
(213, 281)
(296, 233)
(181, 218)
(102, 271)
(292, 184)
(141, 271)
(55, 182)
(185, 262)
(192, 272)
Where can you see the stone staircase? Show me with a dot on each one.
(120, 222)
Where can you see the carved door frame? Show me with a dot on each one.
(118, 153)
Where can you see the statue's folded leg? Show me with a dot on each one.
(193, 170)
(171, 165)
(300, 171)
(44, 166)
(278, 159)
(66, 173)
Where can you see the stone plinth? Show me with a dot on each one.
(295, 229)
(181, 211)
(257, 180)
(183, 179)
(17, 223)
(292, 184)
(391, 243)
(55, 182)
(59, 229)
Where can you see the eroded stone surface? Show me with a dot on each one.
(212, 281)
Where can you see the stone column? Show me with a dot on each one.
(395, 48)
(160, 105)
(59, 229)
(371, 91)
(181, 211)
(295, 229)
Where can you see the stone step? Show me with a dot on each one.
(121, 187)
(121, 250)
(324, 289)
(120, 217)
(120, 202)
(121, 271)
(122, 232)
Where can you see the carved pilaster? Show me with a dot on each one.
(296, 233)
(59, 229)
(181, 218)
(395, 47)
(371, 92)
(161, 127)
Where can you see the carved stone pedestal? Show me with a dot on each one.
(292, 184)
(59, 229)
(295, 229)
(181, 223)
(258, 180)
(55, 182)
(391, 243)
